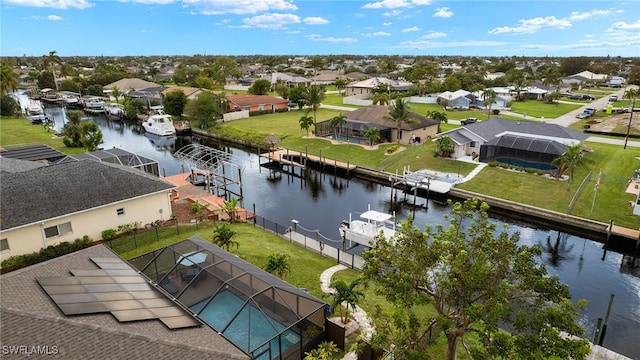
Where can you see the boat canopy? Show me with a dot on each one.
(375, 216)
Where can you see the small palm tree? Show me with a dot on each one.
(444, 146)
(223, 236)
(278, 265)
(229, 207)
(198, 210)
(373, 134)
(116, 93)
(439, 116)
(399, 112)
(569, 161)
(345, 293)
(8, 80)
(313, 98)
(489, 96)
(336, 123)
(380, 98)
(306, 122)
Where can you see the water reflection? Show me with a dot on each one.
(557, 249)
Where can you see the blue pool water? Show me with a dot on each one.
(527, 164)
(226, 305)
(353, 140)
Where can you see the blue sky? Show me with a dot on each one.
(317, 27)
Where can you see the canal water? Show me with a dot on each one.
(322, 200)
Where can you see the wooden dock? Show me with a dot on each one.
(284, 156)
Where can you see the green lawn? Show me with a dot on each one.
(336, 99)
(540, 109)
(611, 198)
(15, 132)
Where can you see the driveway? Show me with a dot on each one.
(570, 117)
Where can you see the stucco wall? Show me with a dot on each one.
(92, 222)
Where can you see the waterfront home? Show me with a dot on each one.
(255, 103)
(369, 86)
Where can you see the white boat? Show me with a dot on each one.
(368, 228)
(71, 99)
(35, 113)
(162, 143)
(114, 110)
(93, 103)
(159, 123)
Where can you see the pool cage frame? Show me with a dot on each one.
(522, 148)
(194, 271)
(354, 130)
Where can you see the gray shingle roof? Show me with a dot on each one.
(9, 165)
(488, 129)
(378, 114)
(34, 320)
(61, 189)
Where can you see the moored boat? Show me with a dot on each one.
(183, 127)
(368, 229)
(159, 123)
(35, 113)
(113, 110)
(93, 104)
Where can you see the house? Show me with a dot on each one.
(289, 80)
(500, 140)
(255, 103)
(190, 92)
(360, 120)
(63, 202)
(368, 86)
(459, 99)
(131, 84)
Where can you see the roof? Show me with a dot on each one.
(247, 99)
(378, 114)
(454, 95)
(25, 306)
(131, 84)
(9, 165)
(547, 146)
(56, 190)
(494, 127)
(372, 83)
(187, 90)
(33, 153)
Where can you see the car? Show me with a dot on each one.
(613, 98)
(588, 97)
(575, 97)
(468, 121)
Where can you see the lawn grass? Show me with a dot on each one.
(611, 198)
(540, 109)
(336, 100)
(16, 132)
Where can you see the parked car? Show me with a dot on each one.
(588, 97)
(575, 97)
(613, 98)
(468, 121)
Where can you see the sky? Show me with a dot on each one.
(320, 27)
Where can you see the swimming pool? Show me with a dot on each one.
(527, 164)
(349, 139)
(249, 329)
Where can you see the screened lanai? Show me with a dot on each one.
(352, 131)
(261, 314)
(117, 156)
(523, 151)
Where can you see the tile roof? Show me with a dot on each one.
(35, 320)
(61, 189)
(378, 114)
(125, 85)
(247, 99)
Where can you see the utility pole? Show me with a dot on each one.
(626, 138)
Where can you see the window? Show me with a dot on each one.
(57, 230)
(248, 108)
(474, 144)
(120, 211)
(261, 107)
(4, 244)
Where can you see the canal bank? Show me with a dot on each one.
(617, 238)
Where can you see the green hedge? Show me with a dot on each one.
(50, 252)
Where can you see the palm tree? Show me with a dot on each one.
(53, 59)
(489, 96)
(8, 80)
(399, 112)
(444, 146)
(380, 98)
(373, 134)
(439, 116)
(337, 122)
(229, 207)
(223, 236)
(116, 93)
(345, 293)
(569, 161)
(306, 121)
(313, 98)
(278, 265)
(198, 210)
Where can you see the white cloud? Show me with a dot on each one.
(54, 18)
(314, 20)
(218, 7)
(530, 26)
(154, 2)
(621, 25)
(387, 24)
(387, 4)
(411, 29)
(424, 44)
(392, 13)
(377, 33)
(576, 16)
(271, 21)
(421, 2)
(316, 37)
(54, 4)
(443, 12)
(434, 35)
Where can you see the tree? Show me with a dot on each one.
(174, 102)
(278, 265)
(380, 98)
(451, 83)
(205, 108)
(223, 236)
(52, 59)
(71, 130)
(260, 87)
(444, 146)
(229, 207)
(551, 77)
(282, 90)
(9, 106)
(91, 135)
(341, 83)
(336, 123)
(313, 97)
(489, 97)
(479, 280)
(116, 93)
(198, 210)
(345, 293)
(518, 79)
(399, 112)
(572, 158)
(306, 122)
(439, 116)
(8, 80)
(373, 134)
(324, 351)
(297, 95)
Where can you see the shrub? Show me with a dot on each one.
(530, 170)
(539, 172)
(9, 106)
(495, 112)
(50, 252)
(492, 163)
(109, 234)
(391, 149)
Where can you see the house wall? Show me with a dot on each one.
(147, 209)
(423, 133)
(350, 91)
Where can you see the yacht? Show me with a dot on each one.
(159, 123)
(114, 110)
(93, 103)
(35, 113)
(368, 228)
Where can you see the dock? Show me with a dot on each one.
(296, 158)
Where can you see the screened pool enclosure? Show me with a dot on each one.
(261, 314)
